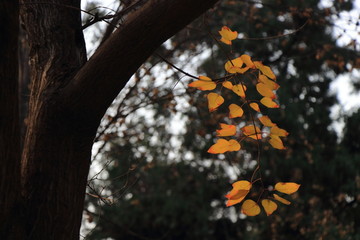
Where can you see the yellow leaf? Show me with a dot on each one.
(227, 84)
(265, 91)
(271, 84)
(226, 130)
(223, 145)
(234, 145)
(255, 106)
(234, 65)
(275, 130)
(287, 187)
(247, 60)
(252, 132)
(227, 35)
(250, 208)
(276, 142)
(268, 102)
(269, 206)
(214, 101)
(280, 199)
(235, 111)
(239, 89)
(238, 193)
(265, 70)
(204, 83)
(266, 121)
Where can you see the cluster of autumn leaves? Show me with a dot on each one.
(266, 86)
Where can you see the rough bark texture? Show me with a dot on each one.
(68, 98)
(9, 118)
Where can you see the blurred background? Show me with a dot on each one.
(152, 177)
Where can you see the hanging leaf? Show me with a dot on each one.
(275, 130)
(238, 193)
(227, 35)
(234, 65)
(268, 102)
(214, 101)
(269, 206)
(255, 106)
(235, 111)
(280, 199)
(265, 91)
(247, 60)
(227, 84)
(203, 84)
(252, 132)
(271, 84)
(276, 142)
(226, 130)
(222, 146)
(287, 187)
(265, 70)
(266, 121)
(250, 208)
(239, 89)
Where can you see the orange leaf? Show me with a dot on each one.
(265, 91)
(223, 145)
(275, 130)
(214, 101)
(226, 130)
(265, 70)
(238, 193)
(204, 83)
(239, 89)
(276, 142)
(280, 199)
(227, 84)
(271, 84)
(235, 111)
(266, 121)
(255, 106)
(227, 35)
(250, 208)
(234, 65)
(268, 102)
(269, 206)
(247, 60)
(287, 187)
(252, 132)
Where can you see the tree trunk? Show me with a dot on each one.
(68, 98)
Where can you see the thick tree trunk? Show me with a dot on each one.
(68, 98)
(9, 119)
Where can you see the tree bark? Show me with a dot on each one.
(9, 119)
(68, 98)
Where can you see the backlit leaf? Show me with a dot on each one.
(271, 84)
(255, 106)
(234, 145)
(265, 91)
(247, 60)
(268, 102)
(252, 132)
(280, 199)
(275, 130)
(265, 70)
(227, 35)
(234, 65)
(227, 84)
(214, 101)
(235, 111)
(238, 193)
(276, 142)
(269, 206)
(239, 89)
(204, 83)
(266, 121)
(287, 187)
(250, 208)
(223, 145)
(226, 130)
